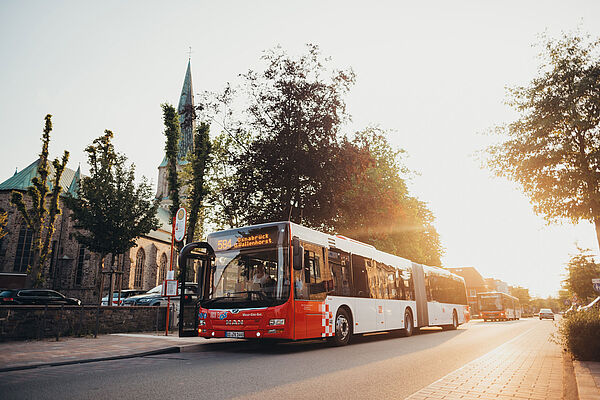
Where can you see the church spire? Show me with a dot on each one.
(187, 115)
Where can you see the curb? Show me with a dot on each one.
(586, 385)
(166, 350)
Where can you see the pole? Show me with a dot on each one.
(170, 269)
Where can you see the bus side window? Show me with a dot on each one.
(339, 265)
(359, 277)
(314, 272)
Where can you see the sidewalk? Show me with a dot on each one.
(32, 354)
(587, 374)
(526, 367)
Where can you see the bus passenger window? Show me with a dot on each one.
(359, 277)
(339, 265)
(314, 283)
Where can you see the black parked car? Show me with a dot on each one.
(35, 296)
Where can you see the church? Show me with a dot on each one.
(72, 269)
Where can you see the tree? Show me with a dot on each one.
(172, 133)
(110, 209)
(553, 148)
(374, 204)
(198, 189)
(520, 293)
(289, 160)
(286, 171)
(38, 217)
(581, 269)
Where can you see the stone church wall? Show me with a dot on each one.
(60, 272)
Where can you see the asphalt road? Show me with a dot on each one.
(375, 366)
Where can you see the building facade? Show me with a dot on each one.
(72, 269)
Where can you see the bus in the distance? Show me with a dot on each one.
(498, 306)
(285, 281)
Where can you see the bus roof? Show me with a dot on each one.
(345, 244)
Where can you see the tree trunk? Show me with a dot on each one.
(34, 269)
(597, 226)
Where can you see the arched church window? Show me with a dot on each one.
(139, 268)
(23, 256)
(162, 269)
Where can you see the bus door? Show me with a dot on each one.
(420, 294)
(195, 261)
(311, 285)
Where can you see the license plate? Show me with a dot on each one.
(239, 334)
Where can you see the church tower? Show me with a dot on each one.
(187, 122)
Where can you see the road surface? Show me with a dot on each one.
(375, 366)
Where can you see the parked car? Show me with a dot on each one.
(546, 313)
(594, 305)
(154, 296)
(124, 295)
(36, 296)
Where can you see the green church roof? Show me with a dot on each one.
(22, 180)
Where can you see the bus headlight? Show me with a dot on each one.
(280, 321)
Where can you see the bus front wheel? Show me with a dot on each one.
(343, 328)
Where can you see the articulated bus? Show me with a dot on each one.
(497, 306)
(285, 281)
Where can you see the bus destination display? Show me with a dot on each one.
(238, 240)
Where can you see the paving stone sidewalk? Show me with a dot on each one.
(587, 374)
(28, 354)
(527, 367)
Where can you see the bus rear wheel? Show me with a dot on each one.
(408, 324)
(343, 328)
(454, 321)
(454, 325)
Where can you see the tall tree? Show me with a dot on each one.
(198, 189)
(110, 209)
(38, 217)
(294, 114)
(581, 269)
(374, 205)
(172, 133)
(553, 149)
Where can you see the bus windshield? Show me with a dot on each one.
(246, 278)
(491, 303)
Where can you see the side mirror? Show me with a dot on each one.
(298, 254)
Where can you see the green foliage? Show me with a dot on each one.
(198, 188)
(110, 209)
(284, 157)
(581, 269)
(579, 332)
(38, 217)
(172, 133)
(521, 293)
(374, 205)
(553, 149)
(3, 222)
(287, 170)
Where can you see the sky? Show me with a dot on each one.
(432, 73)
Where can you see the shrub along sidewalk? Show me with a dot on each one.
(579, 333)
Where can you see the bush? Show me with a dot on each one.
(579, 333)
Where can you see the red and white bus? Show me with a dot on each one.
(498, 306)
(285, 281)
